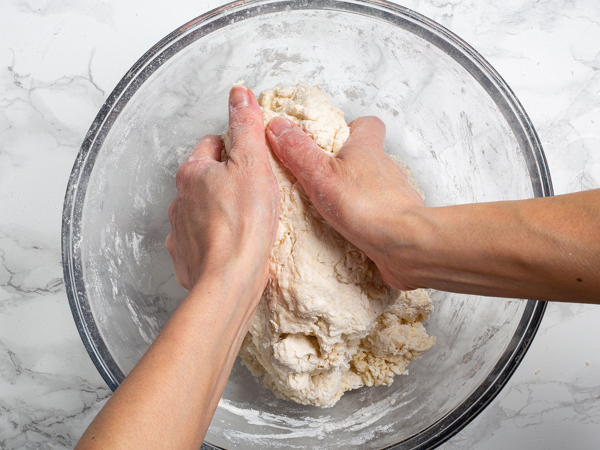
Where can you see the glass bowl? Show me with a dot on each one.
(449, 115)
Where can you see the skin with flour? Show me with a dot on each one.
(327, 322)
(224, 221)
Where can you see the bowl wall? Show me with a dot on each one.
(448, 115)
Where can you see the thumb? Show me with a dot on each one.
(299, 153)
(246, 127)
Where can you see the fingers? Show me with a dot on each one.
(206, 153)
(308, 162)
(207, 150)
(299, 153)
(246, 126)
(366, 134)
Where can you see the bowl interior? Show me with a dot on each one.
(443, 118)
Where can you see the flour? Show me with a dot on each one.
(326, 323)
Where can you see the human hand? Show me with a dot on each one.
(362, 193)
(225, 212)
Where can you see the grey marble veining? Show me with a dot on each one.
(60, 59)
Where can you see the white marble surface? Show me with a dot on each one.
(59, 59)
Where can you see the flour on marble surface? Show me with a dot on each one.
(327, 323)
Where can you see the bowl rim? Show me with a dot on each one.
(239, 10)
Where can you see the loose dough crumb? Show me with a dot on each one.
(326, 323)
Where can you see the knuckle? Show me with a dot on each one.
(183, 175)
(245, 120)
(361, 142)
(247, 134)
(376, 122)
(369, 127)
(246, 158)
(169, 243)
(171, 211)
(295, 139)
(212, 139)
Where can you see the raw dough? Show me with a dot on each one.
(326, 323)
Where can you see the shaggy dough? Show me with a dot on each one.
(326, 323)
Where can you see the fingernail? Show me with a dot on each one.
(279, 125)
(239, 97)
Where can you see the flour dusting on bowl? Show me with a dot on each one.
(449, 116)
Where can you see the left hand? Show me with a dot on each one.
(225, 211)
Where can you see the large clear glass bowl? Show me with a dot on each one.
(449, 116)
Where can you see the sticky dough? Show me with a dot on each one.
(326, 323)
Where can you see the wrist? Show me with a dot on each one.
(401, 247)
(243, 252)
(241, 278)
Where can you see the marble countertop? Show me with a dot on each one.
(60, 59)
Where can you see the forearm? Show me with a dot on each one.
(547, 249)
(168, 400)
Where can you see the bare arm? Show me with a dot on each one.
(223, 223)
(546, 249)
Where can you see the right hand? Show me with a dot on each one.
(362, 193)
